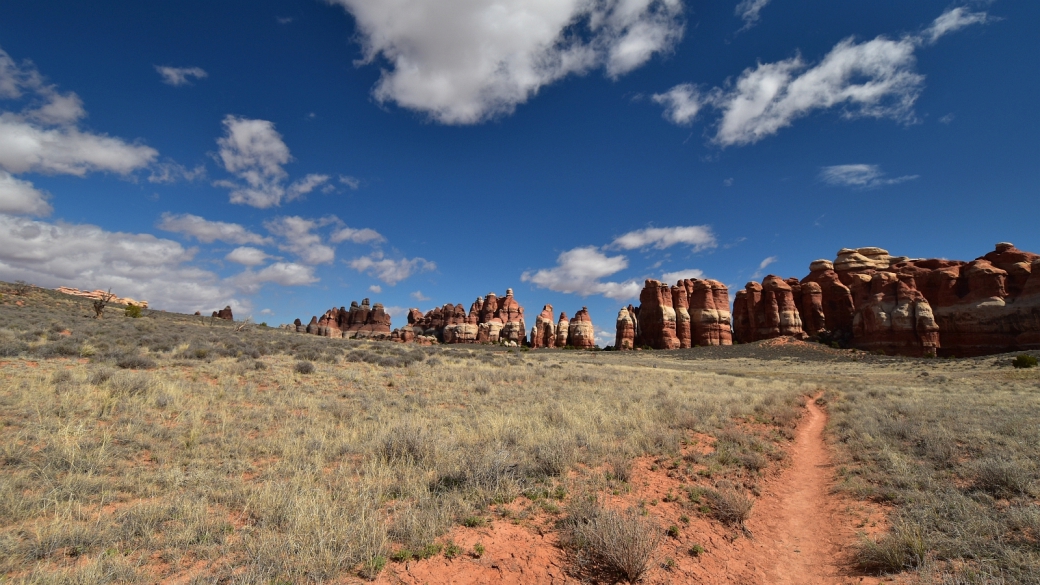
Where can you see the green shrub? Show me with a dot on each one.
(133, 311)
(1024, 361)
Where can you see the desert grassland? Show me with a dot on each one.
(251, 469)
(954, 446)
(171, 447)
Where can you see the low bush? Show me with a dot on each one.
(1024, 361)
(901, 549)
(624, 541)
(304, 367)
(132, 311)
(135, 362)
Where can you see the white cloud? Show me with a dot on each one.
(465, 61)
(254, 151)
(579, 271)
(207, 231)
(605, 338)
(947, 118)
(673, 277)
(681, 103)
(749, 11)
(396, 311)
(357, 236)
(699, 237)
(176, 76)
(876, 78)
(390, 271)
(417, 295)
(266, 312)
(20, 197)
(953, 20)
(44, 138)
(375, 288)
(762, 266)
(284, 19)
(300, 239)
(306, 185)
(247, 256)
(283, 273)
(140, 266)
(171, 172)
(860, 175)
(351, 182)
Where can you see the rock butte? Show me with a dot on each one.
(362, 321)
(870, 300)
(490, 320)
(577, 332)
(224, 314)
(693, 312)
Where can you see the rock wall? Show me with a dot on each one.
(490, 320)
(364, 321)
(693, 312)
(870, 300)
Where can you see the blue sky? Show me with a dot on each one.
(286, 157)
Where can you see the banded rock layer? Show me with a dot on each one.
(693, 312)
(490, 319)
(870, 300)
(364, 321)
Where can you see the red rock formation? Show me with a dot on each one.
(681, 304)
(544, 332)
(100, 294)
(490, 320)
(871, 300)
(563, 327)
(626, 329)
(693, 312)
(362, 321)
(224, 314)
(657, 316)
(580, 333)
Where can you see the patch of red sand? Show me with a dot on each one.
(799, 532)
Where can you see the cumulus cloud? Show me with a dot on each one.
(681, 104)
(20, 197)
(579, 271)
(698, 237)
(375, 288)
(44, 137)
(417, 295)
(299, 238)
(140, 266)
(357, 236)
(248, 256)
(691, 273)
(283, 273)
(176, 76)
(390, 271)
(253, 151)
(860, 175)
(750, 11)
(876, 78)
(465, 61)
(207, 231)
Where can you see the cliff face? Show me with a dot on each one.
(871, 300)
(693, 312)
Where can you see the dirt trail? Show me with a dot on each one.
(798, 529)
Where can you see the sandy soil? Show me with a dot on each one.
(798, 533)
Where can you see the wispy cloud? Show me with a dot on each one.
(177, 76)
(417, 295)
(860, 176)
(875, 79)
(673, 277)
(750, 11)
(698, 237)
(388, 270)
(207, 231)
(763, 265)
